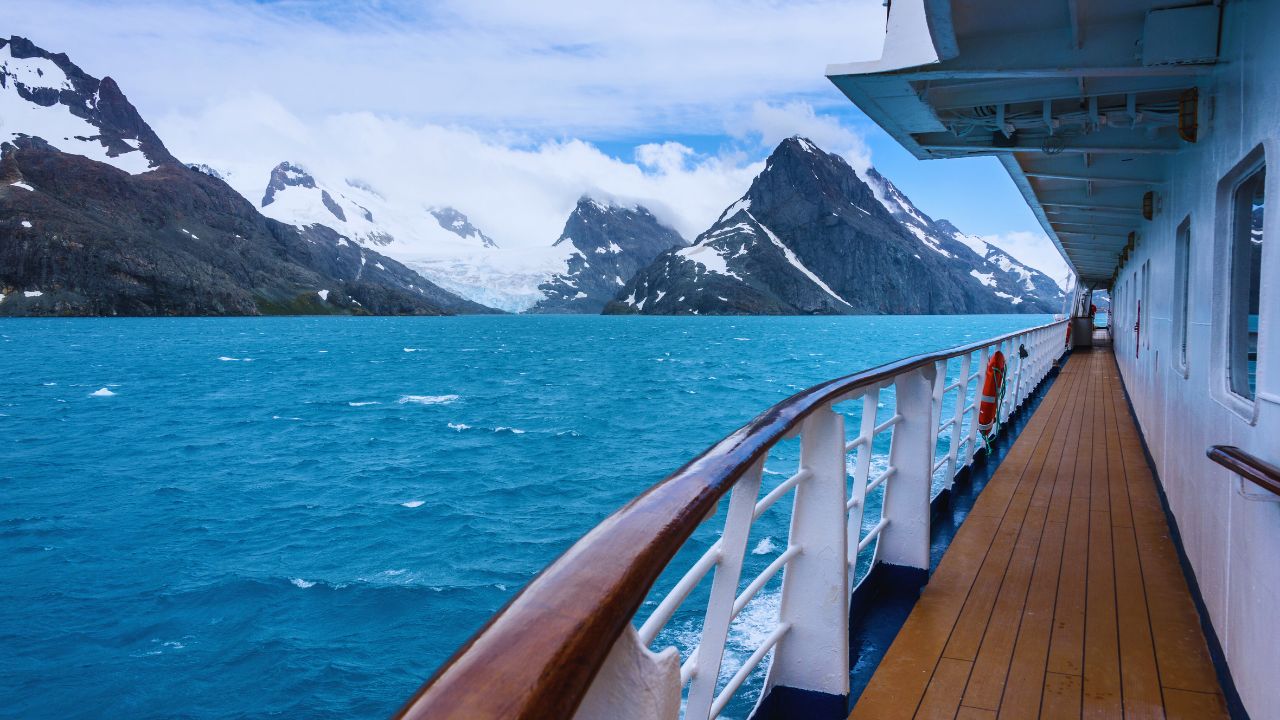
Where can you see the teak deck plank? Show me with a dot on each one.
(1061, 697)
(1062, 595)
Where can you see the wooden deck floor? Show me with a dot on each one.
(1061, 595)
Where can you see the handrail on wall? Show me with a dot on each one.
(1250, 467)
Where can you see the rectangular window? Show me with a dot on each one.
(1245, 286)
(1182, 290)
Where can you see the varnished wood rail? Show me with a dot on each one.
(537, 656)
(1250, 467)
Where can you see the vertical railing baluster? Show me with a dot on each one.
(858, 492)
(724, 588)
(971, 448)
(1010, 357)
(814, 651)
(935, 418)
(958, 418)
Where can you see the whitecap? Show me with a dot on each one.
(101, 392)
(765, 547)
(362, 404)
(767, 471)
(412, 349)
(48, 384)
(427, 399)
(224, 358)
(413, 503)
(503, 428)
(281, 417)
(459, 426)
(304, 584)
(742, 339)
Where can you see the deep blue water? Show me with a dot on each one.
(307, 515)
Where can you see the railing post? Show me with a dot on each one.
(905, 539)
(813, 655)
(724, 589)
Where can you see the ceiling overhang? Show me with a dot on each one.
(1079, 100)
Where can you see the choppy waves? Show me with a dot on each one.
(427, 399)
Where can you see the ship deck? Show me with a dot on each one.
(1062, 594)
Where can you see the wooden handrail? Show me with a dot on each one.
(537, 656)
(1250, 467)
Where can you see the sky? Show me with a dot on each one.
(510, 110)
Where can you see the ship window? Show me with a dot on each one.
(1182, 288)
(1245, 286)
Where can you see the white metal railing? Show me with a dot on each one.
(566, 645)
(919, 453)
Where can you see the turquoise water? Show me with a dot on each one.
(224, 518)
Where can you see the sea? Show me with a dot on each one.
(261, 517)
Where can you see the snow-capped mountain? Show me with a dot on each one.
(1008, 278)
(811, 237)
(45, 95)
(609, 244)
(98, 218)
(439, 242)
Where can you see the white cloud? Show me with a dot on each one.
(1034, 249)
(552, 68)
(517, 191)
(666, 158)
(768, 124)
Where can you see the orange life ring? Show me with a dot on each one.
(1068, 333)
(987, 408)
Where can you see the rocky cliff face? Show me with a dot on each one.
(1023, 287)
(98, 218)
(609, 244)
(78, 237)
(811, 237)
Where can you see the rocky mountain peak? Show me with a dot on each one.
(811, 236)
(45, 95)
(459, 224)
(801, 173)
(287, 175)
(608, 243)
